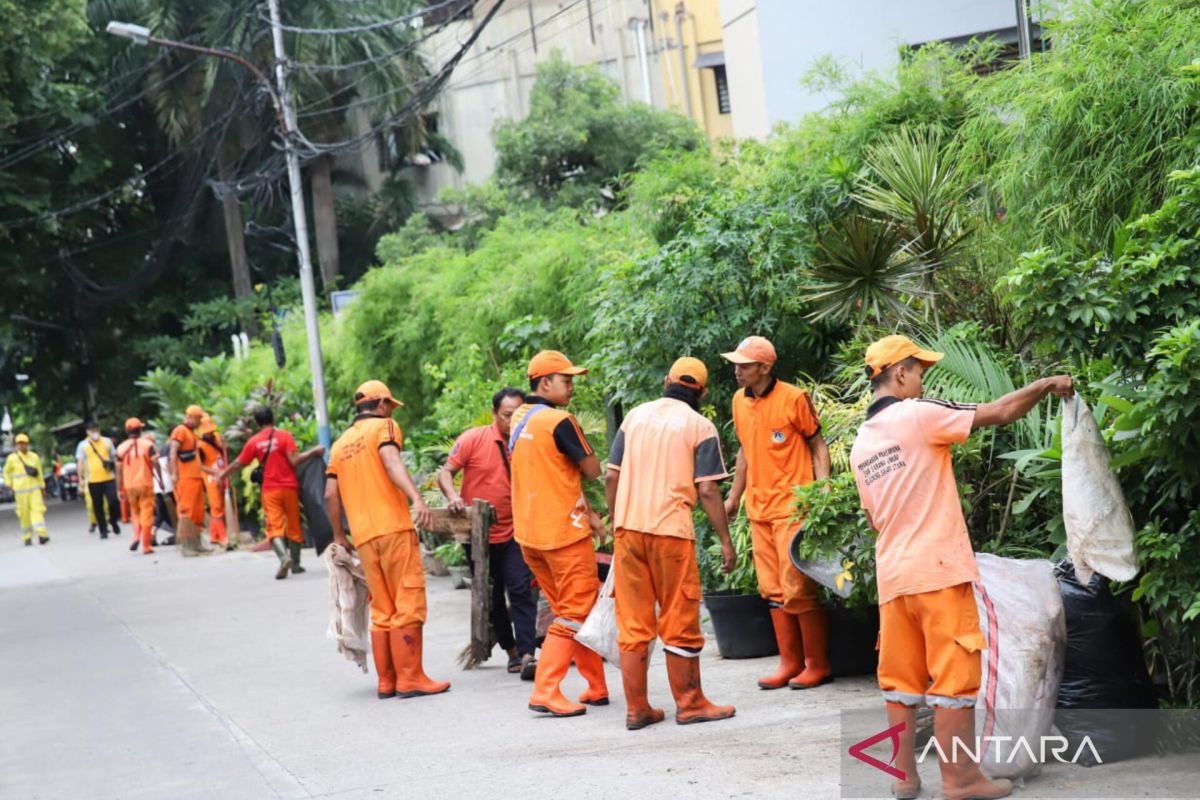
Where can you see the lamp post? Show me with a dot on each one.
(285, 117)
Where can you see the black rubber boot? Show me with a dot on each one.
(294, 549)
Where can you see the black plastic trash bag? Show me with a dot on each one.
(312, 500)
(1104, 675)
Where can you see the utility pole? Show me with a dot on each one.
(300, 220)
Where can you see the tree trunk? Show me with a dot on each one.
(235, 240)
(325, 219)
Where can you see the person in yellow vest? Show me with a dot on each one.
(97, 459)
(214, 457)
(23, 473)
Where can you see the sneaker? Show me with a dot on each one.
(29, 542)
(43, 540)
(92, 528)
(116, 531)
(133, 547)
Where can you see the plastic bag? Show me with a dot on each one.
(1021, 615)
(599, 630)
(1098, 523)
(1104, 670)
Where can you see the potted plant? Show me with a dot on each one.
(836, 547)
(741, 618)
(454, 556)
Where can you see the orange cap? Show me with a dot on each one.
(207, 425)
(552, 362)
(194, 411)
(690, 372)
(133, 423)
(375, 390)
(752, 350)
(891, 350)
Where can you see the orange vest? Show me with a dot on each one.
(549, 510)
(137, 459)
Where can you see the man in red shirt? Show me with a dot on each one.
(275, 451)
(481, 454)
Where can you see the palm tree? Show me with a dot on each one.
(205, 104)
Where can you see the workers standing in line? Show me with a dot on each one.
(23, 474)
(929, 638)
(275, 451)
(550, 458)
(366, 476)
(214, 457)
(189, 482)
(96, 456)
(665, 456)
(138, 461)
(781, 447)
(481, 454)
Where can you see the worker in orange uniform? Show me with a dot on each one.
(366, 476)
(552, 521)
(137, 462)
(781, 448)
(214, 457)
(665, 456)
(184, 461)
(929, 636)
(275, 451)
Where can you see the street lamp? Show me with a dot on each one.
(285, 117)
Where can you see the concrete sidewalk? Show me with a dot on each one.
(131, 676)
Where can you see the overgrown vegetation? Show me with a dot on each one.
(1038, 219)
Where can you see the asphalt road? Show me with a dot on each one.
(131, 676)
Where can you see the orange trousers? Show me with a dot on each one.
(141, 511)
(217, 532)
(395, 580)
(567, 578)
(657, 569)
(780, 583)
(281, 509)
(189, 499)
(929, 648)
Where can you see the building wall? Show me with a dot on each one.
(494, 79)
(774, 43)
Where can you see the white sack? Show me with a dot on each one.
(1021, 615)
(599, 630)
(1098, 523)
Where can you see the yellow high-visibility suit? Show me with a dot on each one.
(31, 508)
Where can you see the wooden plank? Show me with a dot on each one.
(482, 516)
(452, 526)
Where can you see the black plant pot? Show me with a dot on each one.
(742, 623)
(853, 633)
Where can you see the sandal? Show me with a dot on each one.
(528, 667)
(514, 664)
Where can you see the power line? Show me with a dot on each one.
(373, 26)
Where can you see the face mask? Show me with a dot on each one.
(94, 435)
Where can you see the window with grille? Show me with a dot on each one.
(722, 88)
